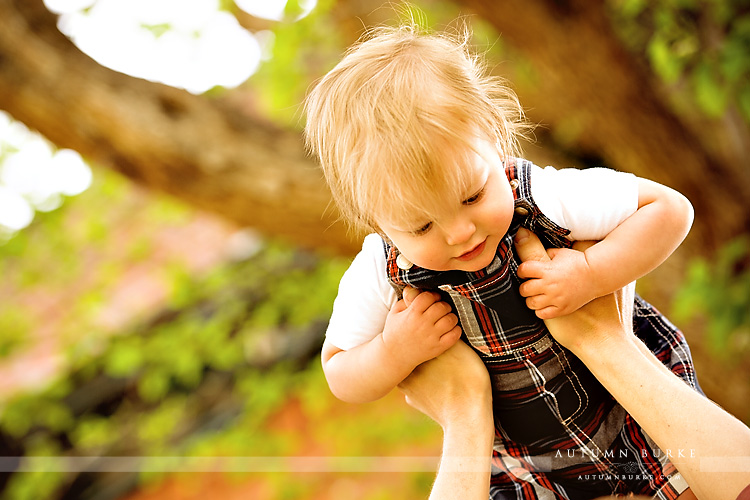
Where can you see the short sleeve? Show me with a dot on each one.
(364, 298)
(590, 202)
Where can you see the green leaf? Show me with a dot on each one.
(124, 358)
(744, 101)
(15, 324)
(187, 366)
(153, 385)
(666, 64)
(56, 416)
(710, 95)
(157, 427)
(734, 61)
(16, 419)
(632, 8)
(719, 292)
(93, 432)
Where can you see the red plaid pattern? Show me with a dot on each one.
(559, 433)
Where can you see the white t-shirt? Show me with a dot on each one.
(590, 203)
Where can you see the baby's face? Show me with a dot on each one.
(467, 236)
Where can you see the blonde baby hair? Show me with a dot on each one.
(394, 122)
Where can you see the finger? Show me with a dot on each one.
(531, 269)
(447, 322)
(398, 307)
(553, 252)
(424, 300)
(548, 312)
(529, 247)
(409, 294)
(537, 302)
(437, 311)
(531, 287)
(451, 337)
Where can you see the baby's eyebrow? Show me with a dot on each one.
(476, 188)
(411, 227)
(478, 183)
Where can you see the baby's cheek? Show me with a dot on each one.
(432, 259)
(502, 221)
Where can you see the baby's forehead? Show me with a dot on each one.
(410, 205)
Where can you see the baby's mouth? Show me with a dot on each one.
(474, 252)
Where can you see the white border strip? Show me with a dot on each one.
(217, 464)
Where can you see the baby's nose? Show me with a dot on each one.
(459, 231)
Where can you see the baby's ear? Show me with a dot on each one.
(409, 294)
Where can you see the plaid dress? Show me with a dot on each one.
(558, 432)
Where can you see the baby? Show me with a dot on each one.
(419, 146)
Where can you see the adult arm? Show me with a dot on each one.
(454, 390)
(716, 445)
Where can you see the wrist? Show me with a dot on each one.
(595, 275)
(395, 359)
(476, 416)
(606, 350)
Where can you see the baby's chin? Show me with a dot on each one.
(475, 265)
(473, 268)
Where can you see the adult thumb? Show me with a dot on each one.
(409, 294)
(529, 248)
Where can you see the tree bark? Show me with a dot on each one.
(208, 152)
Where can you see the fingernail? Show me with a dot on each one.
(521, 235)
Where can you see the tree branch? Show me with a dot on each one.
(216, 157)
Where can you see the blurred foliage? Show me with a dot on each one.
(216, 326)
(717, 291)
(301, 50)
(15, 325)
(68, 259)
(204, 376)
(699, 48)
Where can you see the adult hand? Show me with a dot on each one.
(450, 388)
(595, 323)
